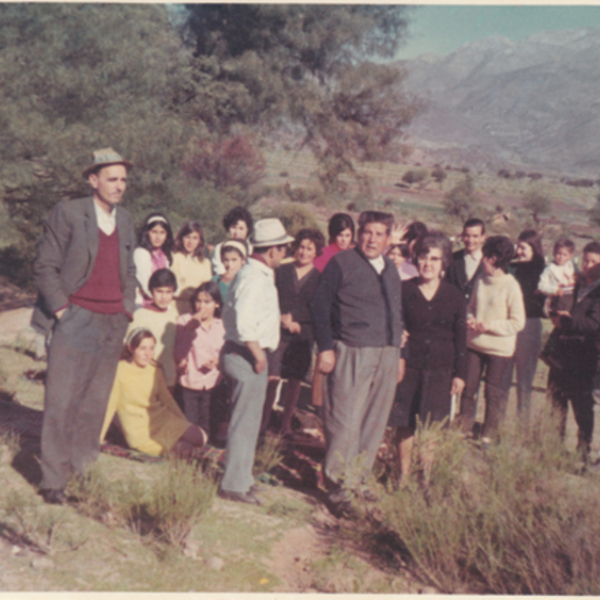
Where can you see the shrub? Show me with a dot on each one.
(166, 512)
(512, 520)
(537, 205)
(438, 174)
(413, 176)
(28, 523)
(461, 201)
(594, 212)
(268, 454)
(178, 501)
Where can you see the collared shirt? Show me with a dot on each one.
(378, 264)
(251, 311)
(199, 344)
(107, 222)
(471, 263)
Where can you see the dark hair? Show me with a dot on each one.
(238, 213)
(144, 240)
(133, 343)
(563, 243)
(186, 229)
(534, 239)
(500, 248)
(474, 223)
(414, 231)
(375, 216)
(592, 248)
(212, 289)
(338, 223)
(314, 235)
(434, 239)
(163, 278)
(404, 249)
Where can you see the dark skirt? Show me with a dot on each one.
(291, 360)
(422, 393)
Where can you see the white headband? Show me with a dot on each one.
(133, 333)
(156, 219)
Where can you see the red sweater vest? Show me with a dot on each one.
(102, 293)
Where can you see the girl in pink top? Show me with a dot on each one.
(198, 341)
(341, 236)
(153, 253)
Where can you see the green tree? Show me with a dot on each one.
(439, 175)
(461, 201)
(594, 212)
(265, 64)
(413, 176)
(537, 204)
(76, 77)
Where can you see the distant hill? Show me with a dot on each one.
(535, 102)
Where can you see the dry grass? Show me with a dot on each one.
(513, 519)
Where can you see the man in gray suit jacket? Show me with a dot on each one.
(85, 275)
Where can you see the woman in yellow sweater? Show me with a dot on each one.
(495, 314)
(190, 265)
(150, 419)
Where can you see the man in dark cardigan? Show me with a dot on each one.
(357, 317)
(572, 378)
(465, 267)
(85, 275)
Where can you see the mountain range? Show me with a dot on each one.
(497, 102)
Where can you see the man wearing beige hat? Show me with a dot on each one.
(85, 275)
(252, 325)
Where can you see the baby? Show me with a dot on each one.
(558, 279)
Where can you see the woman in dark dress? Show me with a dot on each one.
(296, 284)
(434, 315)
(527, 272)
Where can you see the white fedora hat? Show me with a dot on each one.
(269, 232)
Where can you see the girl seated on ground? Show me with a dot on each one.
(149, 417)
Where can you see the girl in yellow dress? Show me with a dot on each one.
(150, 419)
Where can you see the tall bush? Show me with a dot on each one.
(512, 520)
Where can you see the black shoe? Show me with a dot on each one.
(244, 497)
(54, 496)
(342, 509)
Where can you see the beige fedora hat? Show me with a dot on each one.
(104, 158)
(269, 232)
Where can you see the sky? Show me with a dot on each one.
(442, 29)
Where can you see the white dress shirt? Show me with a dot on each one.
(251, 310)
(107, 222)
(471, 263)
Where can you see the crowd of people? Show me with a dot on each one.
(388, 324)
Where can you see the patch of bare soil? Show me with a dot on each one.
(292, 557)
(13, 323)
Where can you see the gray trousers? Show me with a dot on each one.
(248, 393)
(82, 360)
(527, 351)
(357, 401)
